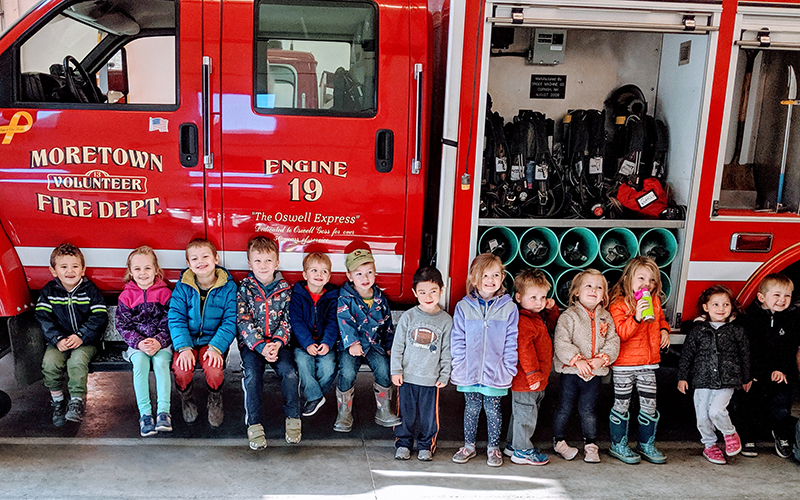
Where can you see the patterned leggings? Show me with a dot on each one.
(645, 381)
(472, 410)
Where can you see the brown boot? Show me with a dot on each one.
(188, 406)
(215, 413)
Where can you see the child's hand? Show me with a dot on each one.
(584, 368)
(535, 386)
(213, 357)
(73, 341)
(61, 345)
(549, 304)
(186, 360)
(355, 350)
(683, 386)
(397, 380)
(323, 349)
(596, 363)
(779, 377)
(270, 351)
(641, 305)
(747, 386)
(440, 385)
(664, 339)
(312, 350)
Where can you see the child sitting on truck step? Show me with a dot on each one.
(202, 324)
(73, 317)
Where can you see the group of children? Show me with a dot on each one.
(315, 334)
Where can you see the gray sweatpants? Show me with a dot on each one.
(524, 414)
(711, 406)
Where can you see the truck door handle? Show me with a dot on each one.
(188, 145)
(208, 156)
(384, 151)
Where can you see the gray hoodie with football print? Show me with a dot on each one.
(421, 347)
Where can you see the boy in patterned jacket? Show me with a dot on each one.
(73, 317)
(263, 331)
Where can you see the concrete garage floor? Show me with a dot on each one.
(105, 457)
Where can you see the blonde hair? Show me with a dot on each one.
(528, 278)
(143, 250)
(316, 258)
(624, 287)
(478, 266)
(772, 280)
(199, 243)
(577, 283)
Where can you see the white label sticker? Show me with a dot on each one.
(541, 172)
(516, 172)
(627, 167)
(646, 199)
(500, 164)
(493, 244)
(595, 165)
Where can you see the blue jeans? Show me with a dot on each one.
(575, 388)
(317, 373)
(349, 365)
(253, 365)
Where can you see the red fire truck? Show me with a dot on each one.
(338, 124)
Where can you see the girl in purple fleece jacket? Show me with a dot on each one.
(142, 322)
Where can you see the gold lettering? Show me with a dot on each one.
(89, 154)
(271, 167)
(73, 155)
(39, 158)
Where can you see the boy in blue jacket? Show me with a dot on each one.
(202, 324)
(366, 335)
(312, 313)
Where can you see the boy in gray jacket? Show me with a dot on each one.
(420, 365)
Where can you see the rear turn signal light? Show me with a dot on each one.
(751, 242)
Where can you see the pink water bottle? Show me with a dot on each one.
(648, 314)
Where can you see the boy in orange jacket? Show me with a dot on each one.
(537, 319)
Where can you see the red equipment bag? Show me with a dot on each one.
(650, 201)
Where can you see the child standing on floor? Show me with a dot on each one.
(773, 329)
(716, 359)
(263, 332)
(537, 318)
(73, 317)
(312, 314)
(641, 339)
(584, 346)
(483, 346)
(142, 322)
(202, 324)
(420, 365)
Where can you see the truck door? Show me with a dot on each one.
(106, 167)
(315, 130)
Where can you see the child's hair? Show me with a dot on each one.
(715, 290)
(531, 277)
(772, 280)
(312, 258)
(478, 266)
(199, 243)
(577, 282)
(64, 250)
(425, 274)
(143, 250)
(624, 287)
(261, 244)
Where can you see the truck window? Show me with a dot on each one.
(315, 59)
(76, 55)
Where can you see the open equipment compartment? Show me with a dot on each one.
(555, 59)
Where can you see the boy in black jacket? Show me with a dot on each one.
(772, 327)
(73, 317)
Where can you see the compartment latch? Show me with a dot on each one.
(517, 16)
(689, 23)
(763, 38)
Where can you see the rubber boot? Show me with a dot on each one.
(647, 438)
(344, 407)
(383, 414)
(619, 439)
(215, 413)
(188, 406)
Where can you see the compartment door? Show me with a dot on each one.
(315, 119)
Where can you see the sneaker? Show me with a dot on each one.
(566, 451)
(311, 407)
(494, 458)
(164, 422)
(591, 453)
(508, 451)
(75, 410)
(402, 453)
(782, 446)
(749, 450)
(733, 445)
(146, 426)
(424, 456)
(529, 457)
(714, 455)
(59, 410)
(293, 430)
(463, 455)
(255, 435)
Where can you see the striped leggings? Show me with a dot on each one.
(645, 381)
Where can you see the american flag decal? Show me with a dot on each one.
(159, 124)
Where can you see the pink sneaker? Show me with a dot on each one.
(714, 455)
(733, 445)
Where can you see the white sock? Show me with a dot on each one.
(57, 396)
